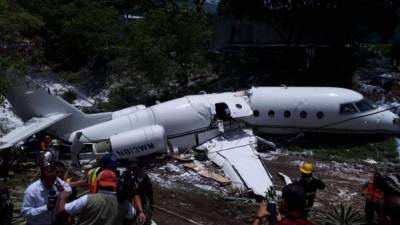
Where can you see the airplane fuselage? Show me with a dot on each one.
(222, 124)
(192, 120)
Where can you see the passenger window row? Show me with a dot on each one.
(287, 114)
(345, 109)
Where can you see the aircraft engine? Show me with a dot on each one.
(135, 143)
(124, 112)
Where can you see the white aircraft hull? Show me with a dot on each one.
(222, 123)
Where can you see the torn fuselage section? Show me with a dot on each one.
(235, 152)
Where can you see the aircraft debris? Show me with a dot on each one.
(286, 179)
(207, 173)
(266, 143)
(370, 161)
(236, 153)
(184, 157)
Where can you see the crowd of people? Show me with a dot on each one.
(116, 196)
(112, 198)
(382, 197)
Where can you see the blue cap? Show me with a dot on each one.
(109, 160)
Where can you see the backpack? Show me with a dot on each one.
(126, 186)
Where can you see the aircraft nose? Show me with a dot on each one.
(389, 122)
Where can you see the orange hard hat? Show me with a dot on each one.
(107, 178)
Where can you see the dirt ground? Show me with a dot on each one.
(217, 206)
(343, 182)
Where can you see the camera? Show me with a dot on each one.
(51, 200)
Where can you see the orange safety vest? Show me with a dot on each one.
(372, 193)
(43, 145)
(92, 179)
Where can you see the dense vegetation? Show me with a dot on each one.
(147, 50)
(15, 50)
(151, 47)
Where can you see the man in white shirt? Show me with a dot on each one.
(38, 207)
(101, 208)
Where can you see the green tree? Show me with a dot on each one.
(76, 32)
(18, 43)
(170, 43)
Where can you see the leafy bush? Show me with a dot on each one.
(340, 215)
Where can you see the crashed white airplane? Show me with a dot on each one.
(222, 124)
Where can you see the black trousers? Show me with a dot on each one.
(370, 209)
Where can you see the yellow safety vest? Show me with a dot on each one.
(92, 179)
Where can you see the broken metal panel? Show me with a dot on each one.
(235, 153)
(216, 158)
(199, 168)
(183, 143)
(234, 176)
(229, 171)
(189, 141)
(286, 179)
(207, 135)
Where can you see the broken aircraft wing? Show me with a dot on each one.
(235, 152)
(30, 128)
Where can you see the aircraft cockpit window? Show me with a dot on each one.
(286, 114)
(347, 108)
(303, 114)
(271, 113)
(365, 105)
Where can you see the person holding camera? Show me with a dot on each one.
(40, 198)
(293, 207)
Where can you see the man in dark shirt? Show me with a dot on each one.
(310, 183)
(293, 207)
(6, 206)
(139, 188)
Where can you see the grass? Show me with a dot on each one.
(380, 49)
(381, 149)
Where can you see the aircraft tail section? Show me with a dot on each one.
(30, 100)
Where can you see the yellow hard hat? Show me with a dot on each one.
(307, 168)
